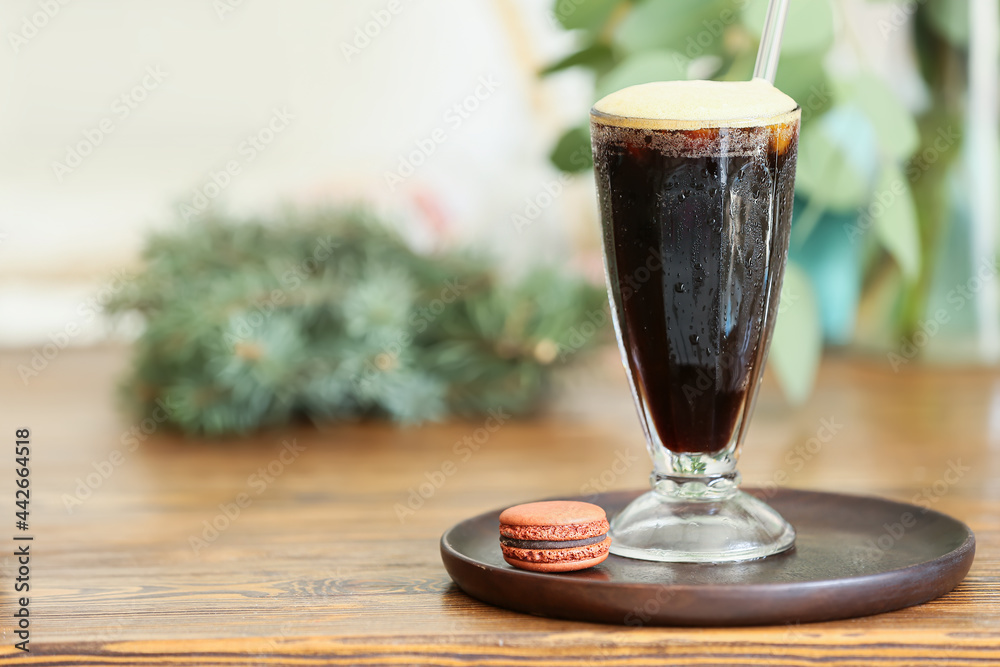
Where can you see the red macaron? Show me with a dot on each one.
(554, 536)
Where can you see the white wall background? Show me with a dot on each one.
(228, 65)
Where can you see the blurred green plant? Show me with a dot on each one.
(331, 316)
(871, 187)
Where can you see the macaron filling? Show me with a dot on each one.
(547, 532)
(550, 544)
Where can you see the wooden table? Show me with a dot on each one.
(320, 567)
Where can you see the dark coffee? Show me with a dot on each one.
(696, 226)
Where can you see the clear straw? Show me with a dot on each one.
(770, 41)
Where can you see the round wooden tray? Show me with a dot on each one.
(853, 556)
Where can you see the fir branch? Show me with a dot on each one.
(331, 316)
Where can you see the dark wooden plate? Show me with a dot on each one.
(854, 556)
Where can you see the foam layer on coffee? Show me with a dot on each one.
(687, 105)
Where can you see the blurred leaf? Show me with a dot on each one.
(740, 67)
(880, 311)
(831, 259)
(589, 15)
(950, 18)
(896, 222)
(826, 174)
(852, 131)
(572, 152)
(694, 27)
(808, 25)
(803, 78)
(597, 57)
(895, 128)
(798, 341)
(643, 68)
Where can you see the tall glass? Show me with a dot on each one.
(696, 215)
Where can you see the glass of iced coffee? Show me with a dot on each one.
(695, 180)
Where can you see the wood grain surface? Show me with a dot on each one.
(321, 565)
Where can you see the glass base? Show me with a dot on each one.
(699, 520)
